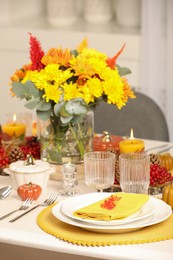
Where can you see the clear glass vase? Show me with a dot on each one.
(60, 145)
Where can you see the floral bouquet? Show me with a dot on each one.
(63, 85)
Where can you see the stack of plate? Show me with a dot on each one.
(153, 212)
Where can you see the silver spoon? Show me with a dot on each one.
(4, 192)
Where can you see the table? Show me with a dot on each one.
(23, 239)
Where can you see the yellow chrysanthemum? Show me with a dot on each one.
(70, 91)
(113, 89)
(52, 93)
(92, 53)
(47, 78)
(95, 87)
(86, 94)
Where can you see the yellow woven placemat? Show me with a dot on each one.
(78, 236)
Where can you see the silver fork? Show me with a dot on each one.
(50, 200)
(24, 206)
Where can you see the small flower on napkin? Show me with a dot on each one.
(117, 206)
(110, 202)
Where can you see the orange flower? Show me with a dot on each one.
(57, 56)
(110, 202)
(128, 92)
(20, 74)
(83, 45)
(82, 68)
(111, 62)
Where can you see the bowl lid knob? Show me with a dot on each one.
(29, 160)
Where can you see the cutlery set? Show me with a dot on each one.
(50, 200)
(4, 192)
(24, 206)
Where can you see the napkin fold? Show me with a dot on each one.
(116, 206)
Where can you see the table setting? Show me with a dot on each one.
(150, 224)
(70, 190)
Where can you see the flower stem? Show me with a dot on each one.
(79, 143)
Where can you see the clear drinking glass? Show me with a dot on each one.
(134, 172)
(99, 169)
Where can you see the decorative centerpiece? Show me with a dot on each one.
(63, 86)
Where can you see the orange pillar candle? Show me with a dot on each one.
(131, 145)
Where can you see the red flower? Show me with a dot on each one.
(36, 54)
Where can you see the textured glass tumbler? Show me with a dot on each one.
(99, 170)
(134, 172)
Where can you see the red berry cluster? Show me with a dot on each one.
(159, 175)
(32, 146)
(4, 160)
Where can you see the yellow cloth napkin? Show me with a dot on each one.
(78, 236)
(116, 206)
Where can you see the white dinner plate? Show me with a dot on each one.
(162, 212)
(72, 204)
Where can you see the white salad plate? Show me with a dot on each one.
(161, 212)
(72, 204)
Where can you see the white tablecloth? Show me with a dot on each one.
(23, 239)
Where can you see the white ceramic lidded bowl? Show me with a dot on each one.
(35, 171)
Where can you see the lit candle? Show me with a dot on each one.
(69, 167)
(131, 145)
(34, 128)
(13, 131)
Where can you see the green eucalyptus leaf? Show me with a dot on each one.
(123, 70)
(32, 89)
(57, 108)
(31, 103)
(26, 91)
(81, 101)
(64, 112)
(20, 91)
(66, 120)
(43, 115)
(75, 107)
(42, 105)
(77, 119)
(74, 53)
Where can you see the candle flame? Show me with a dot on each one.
(34, 128)
(14, 119)
(131, 134)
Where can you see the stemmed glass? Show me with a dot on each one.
(69, 172)
(99, 169)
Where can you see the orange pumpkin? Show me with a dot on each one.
(29, 190)
(167, 195)
(166, 160)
